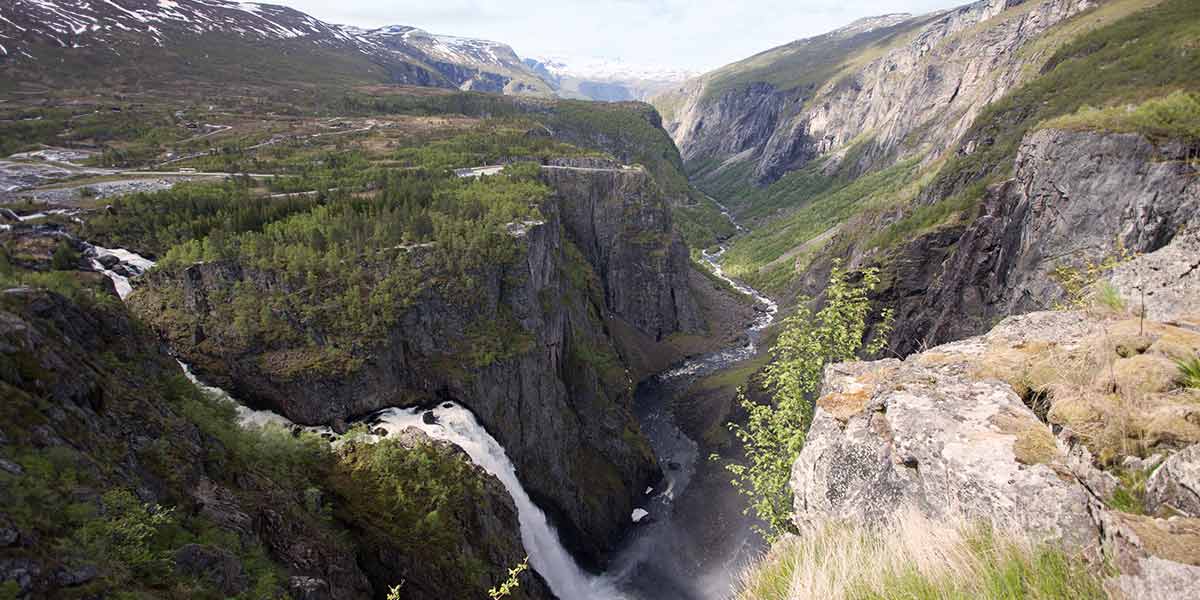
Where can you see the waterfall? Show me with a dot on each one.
(455, 424)
(449, 422)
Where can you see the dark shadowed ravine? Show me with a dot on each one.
(695, 538)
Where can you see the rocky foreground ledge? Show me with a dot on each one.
(1044, 424)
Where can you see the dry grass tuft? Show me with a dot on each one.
(1119, 392)
(914, 557)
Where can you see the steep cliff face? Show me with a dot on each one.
(904, 84)
(95, 407)
(627, 237)
(1077, 199)
(529, 352)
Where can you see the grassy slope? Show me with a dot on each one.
(805, 64)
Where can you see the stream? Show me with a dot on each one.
(668, 555)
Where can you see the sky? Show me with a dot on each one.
(698, 35)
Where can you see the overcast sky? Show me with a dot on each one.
(692, 34)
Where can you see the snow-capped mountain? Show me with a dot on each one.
(604, 69)
(605, 79)
(78, 24)
(494, 61)
(224, 42)
(210, 39)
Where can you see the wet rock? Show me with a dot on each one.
(1175, 486)
(76, 576)
(429, 418)
(217, 566)
(9, 534)
(379, 431)
(10, 467)
(308, 588)
(22, 571)
(109, 261)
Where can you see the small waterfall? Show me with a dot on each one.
(455, 424)
(130, 263)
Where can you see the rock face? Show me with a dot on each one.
(935, 74)
(1076, 198)
(627, 236)
(1175, 486)
(605, 256)
(86, 383)
(926, 433)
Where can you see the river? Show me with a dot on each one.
(691, 539)
(698, 538)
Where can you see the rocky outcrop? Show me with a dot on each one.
(1077, 199)
(217, 566)
(604, 256)
(989, 429)
(1175, 486)
(626, 234)
(927, 433)
(920, 94)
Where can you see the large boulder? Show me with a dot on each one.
(925, 433)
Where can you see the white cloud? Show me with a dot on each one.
(694, 34)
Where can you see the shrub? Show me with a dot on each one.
(1189, 373)
(775, 432)
(65, 257)
(1173, 116)
(510, 584)
(123, 537)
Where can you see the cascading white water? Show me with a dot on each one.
(457, 425)
(132, 263)
(452, 423)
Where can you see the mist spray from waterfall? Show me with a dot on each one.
(457, 425)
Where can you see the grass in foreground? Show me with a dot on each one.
(914, 557)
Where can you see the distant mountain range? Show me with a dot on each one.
(140, 42)
(604, 79)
